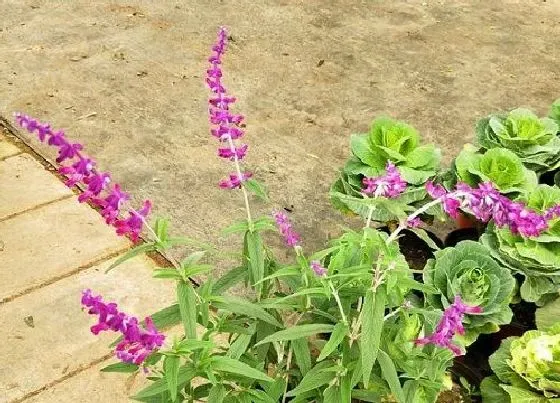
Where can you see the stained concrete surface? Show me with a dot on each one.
(126, 78)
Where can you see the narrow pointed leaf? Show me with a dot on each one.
(226, 364)
(389, 372)
(339, 331)
(373, 312)
(171, 368)
(243, 307)
(186, 296)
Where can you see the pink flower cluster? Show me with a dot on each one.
(486, 203)
(451, 323)
(318, 269)
(390, 185)
(227, 127)
(137, 343)
(80, 169)
(285, 227)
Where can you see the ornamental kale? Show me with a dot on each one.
(526, 368)
(555, 113)
(467, 270)
(499, 166)
(536, 258)
(532, 139)
(389, 143)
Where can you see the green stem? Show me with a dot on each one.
(339, 303)
(412, 216)
(240, 176)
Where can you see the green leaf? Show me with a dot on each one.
(120, 367)
(423, 235)
(331, 395)
(228, 280)
(257, 188)
(364, 395)
(192, 259)
(373, 312)
(302, 354)
(167, 317)
(548, 315)
(519, 395)
(491, 391)
(226, 364)
(340, 330)
(254, 255)
(167, 273)
(188, 345)
(171, 369)
(142, 248)
(186, 296)
(160, 228)
(241, 306)
(317, 377)
(283, 272)
(195, 270)
(389, 373)
(241, 226)
(217, 394)
(186, 373)
(297, 332)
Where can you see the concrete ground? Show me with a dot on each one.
(127, 79)
(51, 248)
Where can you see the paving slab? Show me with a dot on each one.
(106, 387)
(56, 341)
(51, 242)
(7, 149)
(24, 184)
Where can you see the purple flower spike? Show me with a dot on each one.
(318, 269)
(137, 343)
(81, 171)
(225, 125)
(390, 185)
(132, 226)
(451, 323)
(238, 152)
(235, 180)
(285, 227)
(486, 203)
(112, 203)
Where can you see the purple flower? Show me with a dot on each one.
(82, 171)
(226, 126)
(451, 323)
(416, 222)
(285, 227)
(486, 203)
(390, 185)
(132, 226)
(232, 154)
(96, 183)
(111, 204)
(234, 180)
(137, 343)
(318, 269)
(552, 212)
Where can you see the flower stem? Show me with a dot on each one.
(412, 216)
(338, 302)
(240, 176)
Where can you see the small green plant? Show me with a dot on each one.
(526, 368)
(533, 140)
(498, 166)
(388, 141)
(468, 270)
(537, 258)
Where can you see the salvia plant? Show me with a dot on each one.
(353, 321)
